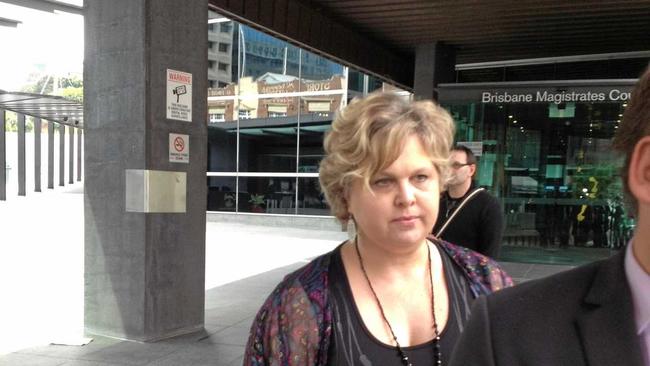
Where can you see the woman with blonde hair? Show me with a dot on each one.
(391, 295)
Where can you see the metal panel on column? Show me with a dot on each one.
(61, 154)
(71, 156)
(50, 154)
(79, 154)
(3, 157)
(37, 154)
(21, 155)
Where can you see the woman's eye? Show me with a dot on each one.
(382, 182)
(421, 177)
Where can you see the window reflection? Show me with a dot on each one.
(268, 143)
(311, 201)
(221, 194)
(272, 195)
(555, 172)
(269, 106)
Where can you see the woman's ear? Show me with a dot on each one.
(639, 171)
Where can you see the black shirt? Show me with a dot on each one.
(477, 226)
(353, 344)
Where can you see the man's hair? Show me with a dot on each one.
(471, 158)
(368, 135)
(635, 126)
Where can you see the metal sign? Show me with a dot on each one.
(179, 95)
(179, 148)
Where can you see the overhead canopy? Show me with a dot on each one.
(48, 107)
(381, 35)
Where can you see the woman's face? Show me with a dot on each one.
(404, 207)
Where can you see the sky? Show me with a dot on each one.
(44, 43)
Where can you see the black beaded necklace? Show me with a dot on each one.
(436, 340)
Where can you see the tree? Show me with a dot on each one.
(69, 87)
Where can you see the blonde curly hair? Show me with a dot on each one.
(367, 137)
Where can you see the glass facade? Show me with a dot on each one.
(546, 153)
(268, 112)
(544, 147)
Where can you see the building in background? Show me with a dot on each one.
(221, 34)
(266, 127)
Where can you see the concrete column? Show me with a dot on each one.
(21, 155)
(50, 154)
(37, 154)
(434, 64)
(79, 130)
(71, 155)
(61, 154)
(144, 257)
(3, 157)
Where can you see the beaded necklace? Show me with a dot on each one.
(436, 340)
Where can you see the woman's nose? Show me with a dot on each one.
(406, 194)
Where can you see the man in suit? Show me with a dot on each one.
(598, 314)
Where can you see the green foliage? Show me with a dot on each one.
(11, 122)
(73, 93)
(68, 87)
(257, 199)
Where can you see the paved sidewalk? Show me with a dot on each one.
(41, 279)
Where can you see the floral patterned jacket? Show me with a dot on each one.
(294, 325)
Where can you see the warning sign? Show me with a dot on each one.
(179, 95)
(179, 148)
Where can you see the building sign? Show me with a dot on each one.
(179, 95)
(334, 83)
(228, 90)
(575, 92)
(179, 148)
(287, 87)
(614, 95)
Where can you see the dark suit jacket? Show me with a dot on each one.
(580, 317)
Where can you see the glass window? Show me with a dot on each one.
(222, 144)
(267, 139)
(553, 168)
(311, 201)
(223, 66)
(316, 67)
(217, 117)
(222, 129)
(225, 27)
(224, 47)
(271, 195)
(221, 194)
(245, 113)
(324, 81)
(268, 61)
(355, 80)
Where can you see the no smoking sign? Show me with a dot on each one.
(179, 144)
(179, 148)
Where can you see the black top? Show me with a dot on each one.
(477, 226)
(353, 344)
